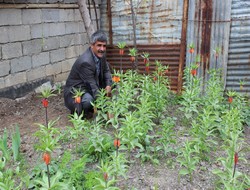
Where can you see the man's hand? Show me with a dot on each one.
(108, 91)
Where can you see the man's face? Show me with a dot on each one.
(99, 48)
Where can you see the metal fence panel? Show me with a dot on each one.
(239, 48)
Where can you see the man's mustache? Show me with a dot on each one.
(100, 51)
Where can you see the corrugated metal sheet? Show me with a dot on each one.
(158, 21)
(167, 54)
(208, 29)
(239, 47)
(158, 32)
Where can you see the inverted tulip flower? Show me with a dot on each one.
(45, 94)
(46, 158)
(191, 48)
(117, 143)
(116, 79)
(121, 46)
(145, 57)
(77, 95)
(45, 102)
(133, 53)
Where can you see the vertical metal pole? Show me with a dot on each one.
(135, 64)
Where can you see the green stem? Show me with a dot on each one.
(117, 151)
(234, 170)
(46, 117)
(48, 175)
(120, 63)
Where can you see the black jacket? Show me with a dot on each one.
(83, 75)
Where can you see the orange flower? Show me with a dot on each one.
(116, 79)
(117, 143)
(121, 51)
(193, 72)
(191, 50)
(132, 58)
(155, 78)
(105, 176)
(46, 158)
(45, 102)
(147, 69)
(236, 158)
(230, 99)
(78, 99)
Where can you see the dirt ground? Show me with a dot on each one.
(28, 110)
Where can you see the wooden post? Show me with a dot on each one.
(183, 45)
(109, 13)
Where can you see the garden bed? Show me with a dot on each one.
(160, 172)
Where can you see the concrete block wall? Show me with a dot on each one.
(38, 44)
(40, 1)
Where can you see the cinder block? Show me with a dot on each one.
(56, 29)
(50, 15)
(57, 55)
(32, 47)
(14, 79)
(4, 68)
(67, 64)
(19, 33)
(20, 64)
(39, 30)
(10, 17)
(11, 50)
(81, 39)
(70, 1)
(40, 59)
(2, 83)
(54, 69)
(78, 16)
(81, 27)
(55, 1)
(11, 1)
(51, 43)
(67, 40)
(71, 52)
(31, 16)
(71, 28)
(36, 1)
(61, 77)
(92, 12)
(4, 34)
(36, 73)
(67, 15)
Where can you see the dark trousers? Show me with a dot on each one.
(85, 105)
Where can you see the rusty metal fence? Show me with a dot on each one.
(167, 54)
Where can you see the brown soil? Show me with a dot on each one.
(27, 111)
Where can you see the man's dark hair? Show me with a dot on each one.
(99, 35)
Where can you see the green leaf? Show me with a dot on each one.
(16, 141)
(183, 172)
